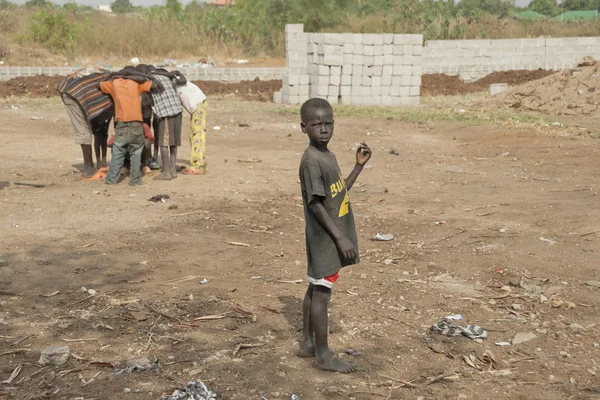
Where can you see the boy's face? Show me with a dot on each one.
(319, 126)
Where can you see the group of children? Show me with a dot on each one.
(138, 98)
(143, 96)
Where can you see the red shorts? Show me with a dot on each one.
(328, 281)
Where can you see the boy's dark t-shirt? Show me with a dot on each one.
(320, 177)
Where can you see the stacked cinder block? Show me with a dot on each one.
(358, 69)
(295, 89)
(366, 69)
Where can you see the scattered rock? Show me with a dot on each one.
(586, 61)
(576, 327)
(55, 355)
(333, 390)
(522, 337)
(139, 316)
(501, 372)
(514, 281)
(553, 290)
(593, 283)
(4, 262)
(530, 288)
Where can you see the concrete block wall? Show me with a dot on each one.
(356, 69)
(473, 59)
(193, 74)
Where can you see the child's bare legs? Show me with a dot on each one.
(307, 347)
(173, 161)
(88, 161)
(315, 308)
(165, 173)
(100, 147)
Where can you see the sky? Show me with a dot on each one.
(95, 3)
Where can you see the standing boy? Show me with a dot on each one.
(129, 131)
(194, 101)
(168, 109)
(331, 241)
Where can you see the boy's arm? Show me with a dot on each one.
(345, 247)
(363, 154)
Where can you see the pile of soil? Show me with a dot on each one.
(33, 86)
(248, 90)
(569, 92)
(446, 85)
(45, 86)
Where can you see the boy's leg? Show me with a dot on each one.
(119, 149)
(97, 147)
(307, 347)
(165, 173)
(136, 147)
(173, 161)
(323, 358)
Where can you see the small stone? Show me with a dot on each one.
(543, 298)
(517, 307)
(4, 262)
(388, 261)
(553, 290)
(363, 276)
(576, 327)
(506, 288)
(522, 337)
(281, 374)
(275, 394)
(514, 281)
(573, 381)
(126, 390)
(55, 355)
(141, 363)
(564, 354)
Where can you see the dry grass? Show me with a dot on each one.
(113, 39)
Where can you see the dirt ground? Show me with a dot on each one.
(498, 224)
(45, 86)
(446, 85)
(432, 85)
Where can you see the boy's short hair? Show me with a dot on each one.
(314, 103)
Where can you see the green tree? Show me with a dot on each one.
(37, 3)
(121, 6)
(54, 30)
(7, 5)
(574, 5)
(545, 7)
(501, 8)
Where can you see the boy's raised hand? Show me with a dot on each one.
(363, 154)
(346, 249)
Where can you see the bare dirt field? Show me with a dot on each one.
(494, 214)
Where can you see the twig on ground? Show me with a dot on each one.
(245, 346)
(451, 236)
(16, 351)
(80, 340)
(238, 244)
(80, 301)
(159, 312)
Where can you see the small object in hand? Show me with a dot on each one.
(158, 198)
(352, 352)
(363, 148)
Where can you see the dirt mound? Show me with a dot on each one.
(248, 90)
(45, 86)
(446, 85)
(33, 86)
(570, 92)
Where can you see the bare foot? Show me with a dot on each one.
(174, 176)
(88, 172)
(306, 350)
(162, 177)
(327, 362)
